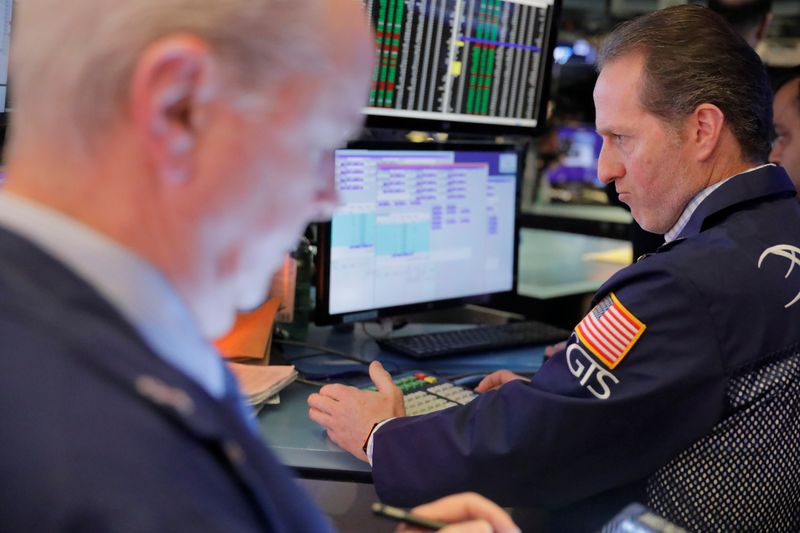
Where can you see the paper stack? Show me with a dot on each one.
(259, 383)
(246, 352)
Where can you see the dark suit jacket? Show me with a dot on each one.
(100, 434)
(584, 437)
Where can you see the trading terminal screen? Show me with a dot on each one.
(462, 64)
(580, 147)
(6, 8)
(417, 227)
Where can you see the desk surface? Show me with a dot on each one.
(303, 445)
(555, 263)
(600, 213)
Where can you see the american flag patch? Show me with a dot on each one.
(610, 331)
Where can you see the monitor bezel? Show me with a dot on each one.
(323, 317)
(468, 127)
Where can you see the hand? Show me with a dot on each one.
(348, 413)
(495, 380)
(467, 512)
(555, 348)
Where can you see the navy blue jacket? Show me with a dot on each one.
(99, 434)
(583, 438)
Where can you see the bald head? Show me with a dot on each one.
(196, 133)
(78, 92)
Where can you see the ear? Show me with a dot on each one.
(705, 130)
(173, 80)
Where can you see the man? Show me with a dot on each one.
(786, 119)
(750, 18)
(164, 155)
(680, 388)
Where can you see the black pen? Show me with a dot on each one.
(401, 515)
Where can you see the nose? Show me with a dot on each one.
(776, 153)
(609, 167)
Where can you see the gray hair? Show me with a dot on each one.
(692, 56)
(72, 63)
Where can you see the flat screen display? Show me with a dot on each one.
(580, 149)
(6, 9)
(419, 226)
(472, 65)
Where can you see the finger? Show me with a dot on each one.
(555, 348)
(468, 506)
(473, 526)
(490, 382)
(323, 403)
(337, 391)
(321, 418)
(380, 377)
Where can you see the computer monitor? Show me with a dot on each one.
(6, 9)
(580, 149)
(462, 65)
(420, 226)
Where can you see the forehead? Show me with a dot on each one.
(786, 100)
(616, 94)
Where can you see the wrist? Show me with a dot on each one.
(366, 441)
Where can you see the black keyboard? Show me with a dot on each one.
(478, 339)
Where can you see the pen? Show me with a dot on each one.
(401, 515)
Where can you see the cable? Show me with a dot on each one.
(313, 382)
(321, 350)
(388, 365)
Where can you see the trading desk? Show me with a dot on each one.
(554, 263)
(303, 445)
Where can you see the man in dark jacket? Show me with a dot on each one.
(680, 387)
(164, 155)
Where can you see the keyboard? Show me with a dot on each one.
(424, 393)
(478, 339)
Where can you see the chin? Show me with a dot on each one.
(218, 322)
(252, 285)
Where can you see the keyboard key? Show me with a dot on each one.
(423, 393)
(481, 338)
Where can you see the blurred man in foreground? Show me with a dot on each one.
(164, 155)
(681, 387)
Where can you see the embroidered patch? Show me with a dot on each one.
(610, 331)
(792, 253)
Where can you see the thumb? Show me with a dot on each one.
(492, 381)
(380, 377)
(473, 526)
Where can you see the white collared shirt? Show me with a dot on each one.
(695, 202)
(130, 284)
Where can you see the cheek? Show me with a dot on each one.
(793, 147)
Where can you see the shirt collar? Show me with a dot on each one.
(695, 202)
(130, 284)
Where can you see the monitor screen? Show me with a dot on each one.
(419, 226)
(6, 8)
(462, 65)
(580, 149)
